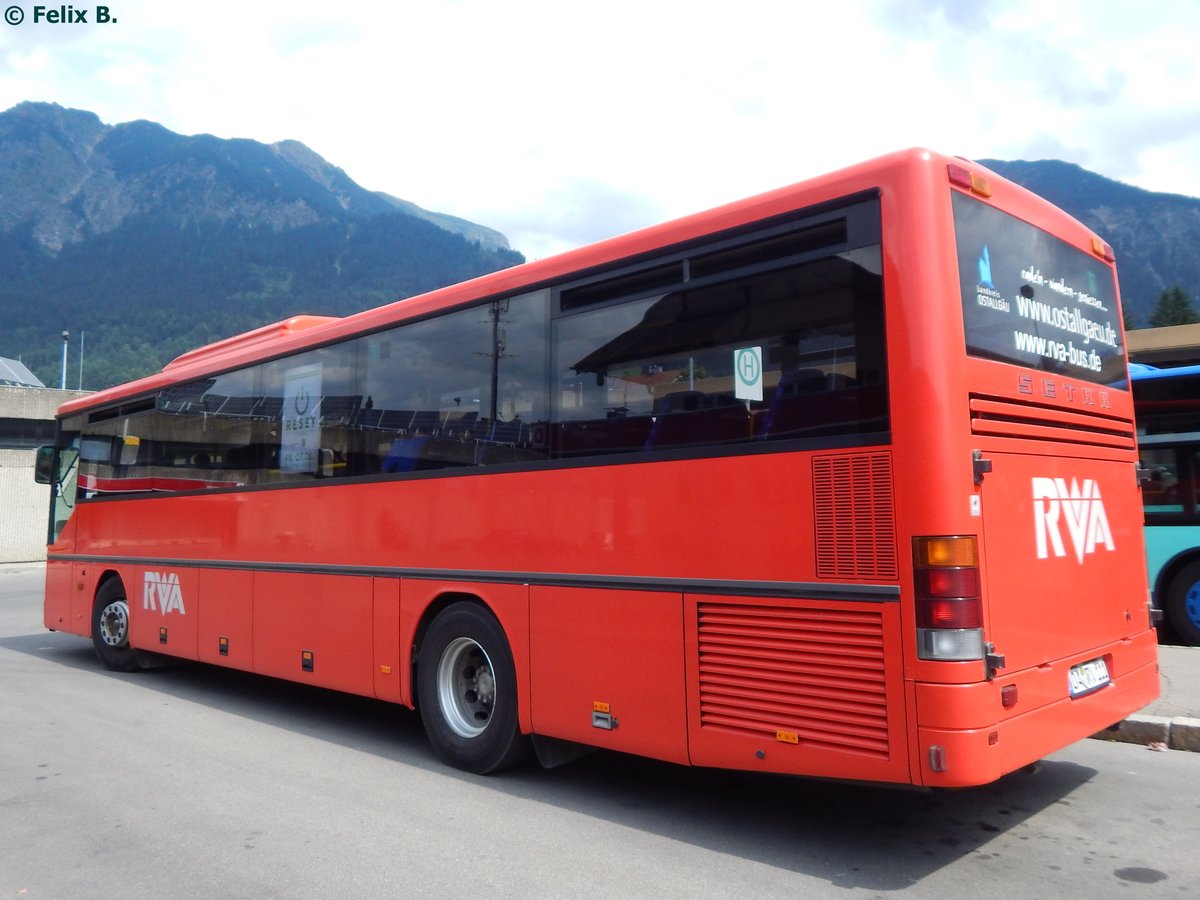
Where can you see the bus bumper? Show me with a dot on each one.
(1033, 714)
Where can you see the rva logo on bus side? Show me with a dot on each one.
(1079, 507)
(161, 591)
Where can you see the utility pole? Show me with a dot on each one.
(63, 384)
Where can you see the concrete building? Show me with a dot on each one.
(1174, 345)
(26, 423)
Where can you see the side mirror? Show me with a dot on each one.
(43, 466)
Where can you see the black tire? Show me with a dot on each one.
(467, 691)
(110, 627)
(1183, 603)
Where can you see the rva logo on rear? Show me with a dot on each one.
(161, 591)
(1079, 507)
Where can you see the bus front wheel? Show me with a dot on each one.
(467, 691)
(1183, 603)
(110, 627)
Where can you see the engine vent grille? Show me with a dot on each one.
(817, 674)
(855, 516)
(1005, 418)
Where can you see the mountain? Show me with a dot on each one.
(1155, 236)
(150, 243)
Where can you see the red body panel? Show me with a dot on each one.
(586, 658)
(226, 615)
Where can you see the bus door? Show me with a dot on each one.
(1057, 575)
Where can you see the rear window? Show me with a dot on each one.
(1032, 299)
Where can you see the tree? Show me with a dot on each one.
(1174, 307)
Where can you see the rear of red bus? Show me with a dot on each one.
(1031, 611)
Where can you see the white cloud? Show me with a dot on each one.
(563, 123)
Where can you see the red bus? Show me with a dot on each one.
(838, 480)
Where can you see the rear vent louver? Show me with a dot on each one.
(815, 674)
(1005, 418)
(855, 516)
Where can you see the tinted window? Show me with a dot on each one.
(1034, 300)
(647, 358)
(662, 371)
(463, 389)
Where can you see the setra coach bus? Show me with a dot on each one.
(839, 481)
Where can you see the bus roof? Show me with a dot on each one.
(1143, 372)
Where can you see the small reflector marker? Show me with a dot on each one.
(787, 737)
(223, 646)
(1008, 696)
(385, 670)
(599, 706)
(306, 660)
(162, 635)
(1103, 250)
(937, 758)
(993, 738)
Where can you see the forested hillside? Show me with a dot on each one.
(149, 243)
(1155, 235)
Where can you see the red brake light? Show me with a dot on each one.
(957, 612)
(948, 583)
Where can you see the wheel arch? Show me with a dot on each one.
(508, 604)
(431, 611)
(123, 656)
(104, 578)
(1167, 573)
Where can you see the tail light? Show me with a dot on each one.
(949, 601)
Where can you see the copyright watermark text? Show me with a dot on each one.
(59, 15)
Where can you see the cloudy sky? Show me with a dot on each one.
(560, 122)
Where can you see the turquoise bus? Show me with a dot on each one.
(1167, 403)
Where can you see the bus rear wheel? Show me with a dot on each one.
(1183, 603)
(110, 627)
(467, 691)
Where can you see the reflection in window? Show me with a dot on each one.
(659, 372)
(458, 390)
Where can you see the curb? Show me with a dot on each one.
(1178, 733)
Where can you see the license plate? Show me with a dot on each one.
(1087, 677)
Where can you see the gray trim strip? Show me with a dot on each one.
(863, 593)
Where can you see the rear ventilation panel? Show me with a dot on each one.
(816, 673)
(855, 516)
(1000, 417)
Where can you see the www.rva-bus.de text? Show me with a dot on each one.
(1068, 352)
